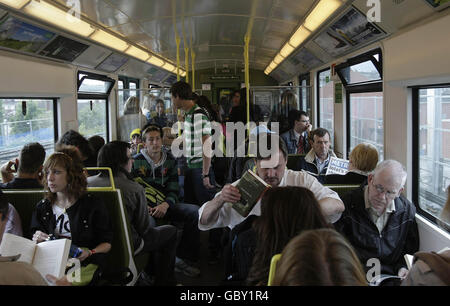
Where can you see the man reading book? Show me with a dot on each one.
(272, 169)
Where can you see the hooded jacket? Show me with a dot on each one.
(163, 176)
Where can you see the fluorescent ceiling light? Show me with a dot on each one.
(272, 65)
(320, 13)
(155, 61)
(286, 50)
(170, 67)
(109, 40)
(137, 53)
(278, 59)
(17, 4)
(60, 18)
(299, 36)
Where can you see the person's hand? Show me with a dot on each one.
(58, 281)
(159, 211)
(40, 236)
(207, 183)
(230, 193)
(403, 272)
(7, 167)
(84, 254)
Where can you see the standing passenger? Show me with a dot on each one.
(132, 119)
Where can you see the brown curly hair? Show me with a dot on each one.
(70, 160)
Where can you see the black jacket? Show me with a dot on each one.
(89, 224)
(400, 236)
(351, 178)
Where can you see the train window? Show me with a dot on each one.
(362, 78)
(93, 94)
(325, 101)
(26, 120)
(305, 93)
(128, 87)
(431, 155)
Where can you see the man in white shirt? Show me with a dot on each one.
(219, 212)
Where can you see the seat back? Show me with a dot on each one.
(273, 268)
(341, 190)
(121, 254)
(24, 201)
(292, 161)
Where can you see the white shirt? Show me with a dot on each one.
(62, 228)
(230, 217)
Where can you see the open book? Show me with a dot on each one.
(251, 188)
(49, 257)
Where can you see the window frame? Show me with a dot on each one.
(416, 149)
(126, 85)
(359, 59)
(96, 96)
(305, 77)
(318, 92)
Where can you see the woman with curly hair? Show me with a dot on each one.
(68, 211)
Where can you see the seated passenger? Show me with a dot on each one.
(135, 141)
(9, 218)
(285, 213)
(429, 269)
(156, 171)
(317, 160)
(379, 222)
(219, 212)
(160, 117)
(73, 138)
(363, 159)
(145, 237)
(28, 167)
(296, 138)
(320, 257)
(68, 211)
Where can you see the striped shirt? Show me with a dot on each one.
(195, 127)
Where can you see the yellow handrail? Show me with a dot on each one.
(111, 179)
(273, 268)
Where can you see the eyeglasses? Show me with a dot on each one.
(304, 121)
(380, 189)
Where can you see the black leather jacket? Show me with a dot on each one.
(89, 224)
(400, 236)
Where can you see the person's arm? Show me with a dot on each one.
(206, 158)
(7, 171)
(103, 247)
(332, 209)
(212, 208)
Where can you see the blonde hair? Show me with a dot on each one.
(132, 106)
(364, 157)
(320, 257)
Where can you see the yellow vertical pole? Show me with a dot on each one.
(177, 40)
(193, 68)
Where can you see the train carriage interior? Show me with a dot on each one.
(374, 72)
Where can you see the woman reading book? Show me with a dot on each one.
(68, 211)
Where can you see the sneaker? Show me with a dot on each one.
(182, 267)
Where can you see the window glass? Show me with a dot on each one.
(120, 94)
(434, 144)
(94, 86)
(133, 93)
(360, 73)
(17, 129)
(326, 103)
(366, 120)
(92, 121)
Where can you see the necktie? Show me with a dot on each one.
(300, 147)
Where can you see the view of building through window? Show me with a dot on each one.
(434, 144)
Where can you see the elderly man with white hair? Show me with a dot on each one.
(379, 222)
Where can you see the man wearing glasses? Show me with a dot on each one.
(296, 138)
(379, 222)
